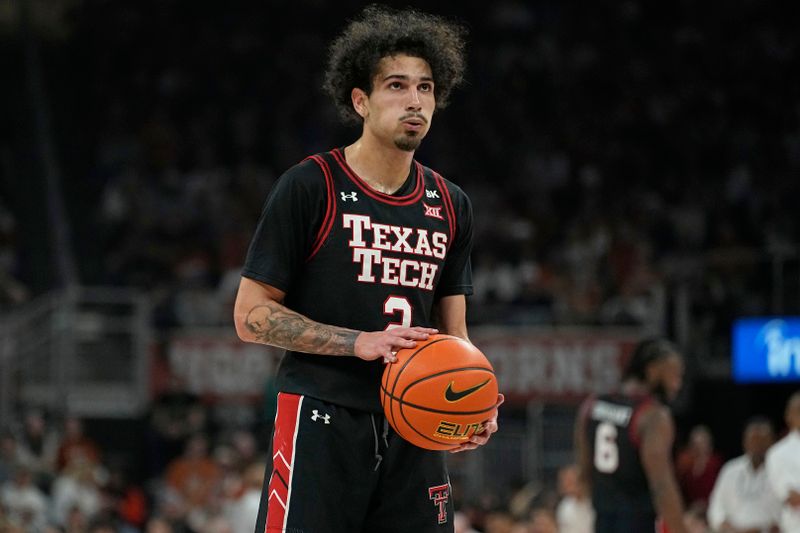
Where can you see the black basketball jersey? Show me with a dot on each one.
(618, 480)
(350, 256)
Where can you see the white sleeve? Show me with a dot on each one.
(778, 477)
(717, 506)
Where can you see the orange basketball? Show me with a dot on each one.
(438, 394)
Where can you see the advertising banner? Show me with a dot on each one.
(766, 349)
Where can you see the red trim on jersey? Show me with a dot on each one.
(279, 490)
(330, 209)
(409, 199)
(633, 428)
(661, 526)
(448, 205)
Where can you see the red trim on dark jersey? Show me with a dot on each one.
(633, 428)
(330, 209)
(448, 205)
(409, 199)
(279, 491)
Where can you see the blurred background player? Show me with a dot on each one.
(742, 501)
(783, 468)
(624, 444)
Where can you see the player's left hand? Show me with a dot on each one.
(489, 427)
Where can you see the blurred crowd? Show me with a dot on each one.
(613, 152)
(193, 477)
(184, 478)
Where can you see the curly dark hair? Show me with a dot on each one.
(380, 32)
(646, 352)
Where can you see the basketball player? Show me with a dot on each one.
(624, 445)
(359, 252)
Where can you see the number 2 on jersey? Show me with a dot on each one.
(606, 451)
(398, 304)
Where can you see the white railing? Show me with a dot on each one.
(81, 351)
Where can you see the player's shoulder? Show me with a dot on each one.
(785, 446)
(306, 175)
(653, 414)
(734, 465)
(307, 170)
(454, 190)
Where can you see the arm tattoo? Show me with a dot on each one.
(277, 325)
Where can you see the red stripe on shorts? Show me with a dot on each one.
(284, 438)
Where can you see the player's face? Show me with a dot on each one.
(757, 440)
(400, 107)
(669, 377)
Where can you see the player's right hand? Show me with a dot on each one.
(372, 345)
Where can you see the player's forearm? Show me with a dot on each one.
(668, 503)
(276, 325)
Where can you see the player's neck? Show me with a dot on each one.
(384, 168)
(633, 387)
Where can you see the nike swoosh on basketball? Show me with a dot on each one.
(453, 396)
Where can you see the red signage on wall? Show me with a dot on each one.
(556, 365)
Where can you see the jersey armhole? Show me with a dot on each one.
(330, 208)
(633, 427)
(448, 206)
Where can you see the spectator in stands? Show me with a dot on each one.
(176, 414)
(783, 468)
(102, 525)
(461, 523)
(158, 524)
(242, 513)
(574, 512)
(697, 466)
(195, 476)
(75, 444)
(125, 500)
(9, 456)
(76, 521)
(38, 445)
(77, 487)
(742, 500)
(543, 520)
(24, 502)
(498, 521)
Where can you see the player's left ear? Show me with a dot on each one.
(360, 101)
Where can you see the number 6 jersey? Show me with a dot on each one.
(350, 256)
(619, 483)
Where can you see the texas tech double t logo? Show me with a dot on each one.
(440, 494)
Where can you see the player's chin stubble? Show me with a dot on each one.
(407, 143)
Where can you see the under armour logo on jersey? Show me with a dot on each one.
(431, 194)
(316, 416)
(352, 196)
(433, 212)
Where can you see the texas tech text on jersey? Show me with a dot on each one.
(370, 240)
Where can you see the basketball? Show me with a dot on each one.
(438, 394)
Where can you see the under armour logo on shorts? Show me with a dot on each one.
(316, 416)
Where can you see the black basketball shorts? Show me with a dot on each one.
(341, 470)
